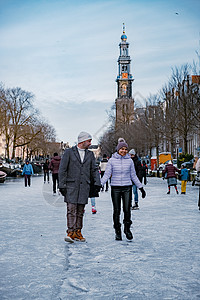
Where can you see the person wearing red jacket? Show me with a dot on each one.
(170, 174)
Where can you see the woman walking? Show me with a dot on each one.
(170, 174)
(46, 170)
(120, 168)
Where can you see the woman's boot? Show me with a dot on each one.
(127, 231)
(118, 234)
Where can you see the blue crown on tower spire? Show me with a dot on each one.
(123, 37)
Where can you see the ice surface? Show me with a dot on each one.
(162, 262)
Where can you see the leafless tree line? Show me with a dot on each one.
(22, 124)
(170, 115)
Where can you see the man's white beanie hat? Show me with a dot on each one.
(132, 151)
(84, 136)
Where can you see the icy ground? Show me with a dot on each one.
(162, 262)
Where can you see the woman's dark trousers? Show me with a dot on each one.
(55, 179)
(46, 175)
(124, 193)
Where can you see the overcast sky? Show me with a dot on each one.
(65, 53)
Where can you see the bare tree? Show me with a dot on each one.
(154, 121)
(23, 115)
(170, 110)
(21, 123)
(42, 141)
(5, 118)
(185, 102)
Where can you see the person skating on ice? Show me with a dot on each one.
(102, 167)
(93, 204)
(27, 172)
(54, 167)
(138, 167)
(184, 179)
(170, 173)
(46, 170)
(77, 173)
(121, 169)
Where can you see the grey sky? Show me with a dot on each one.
(66, 53)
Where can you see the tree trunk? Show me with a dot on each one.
(13, 149)
(185, 143)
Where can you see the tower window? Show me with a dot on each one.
(124, 89)
(124, 68)
(125, 108)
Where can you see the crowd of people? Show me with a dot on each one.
(78, 178)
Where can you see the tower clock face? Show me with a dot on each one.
(124, 75)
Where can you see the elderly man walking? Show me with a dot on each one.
(77, 173)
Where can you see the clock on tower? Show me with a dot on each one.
(124, 75)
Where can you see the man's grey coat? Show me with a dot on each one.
(76, 176)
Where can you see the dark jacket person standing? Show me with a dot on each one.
(46, 170)
(76, 173)
(54, 167)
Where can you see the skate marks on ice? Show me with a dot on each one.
(96, 273)
(160, 263)
(101, 268)
(52, 199)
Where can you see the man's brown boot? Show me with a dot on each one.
(70, 237)
(78, 236)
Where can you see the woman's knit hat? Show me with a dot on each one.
(121, 144)
(121, 140)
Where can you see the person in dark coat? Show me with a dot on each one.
(170, 174)
(54, 167)
(138, 170)
(46, 170)
(77, 172)
(142, 170)
(102, 167)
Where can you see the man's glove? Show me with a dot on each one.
(63, 191)
(97, 188)
(143, 192)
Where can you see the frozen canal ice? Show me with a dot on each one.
(162, 262)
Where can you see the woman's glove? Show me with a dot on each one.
(63, 191)
(143, 192)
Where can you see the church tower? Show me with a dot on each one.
(124, 101)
